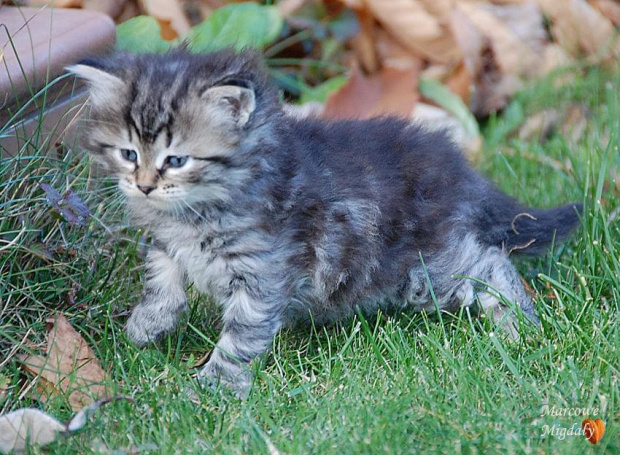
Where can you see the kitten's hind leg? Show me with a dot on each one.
(498, 287)
(163, 300)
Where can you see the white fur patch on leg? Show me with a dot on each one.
(162, 303)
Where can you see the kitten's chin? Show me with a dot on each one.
(159, 204)
(138, 201)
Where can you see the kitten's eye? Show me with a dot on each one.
(175, 161)
(129, 155)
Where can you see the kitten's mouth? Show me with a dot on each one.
(163, 205)
(151, 201)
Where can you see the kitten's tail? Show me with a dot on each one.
(520, 230)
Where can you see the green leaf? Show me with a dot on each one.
(322, 91)
(238, 25)
(140, 34)
(451, 102)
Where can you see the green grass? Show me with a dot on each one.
(401, 384)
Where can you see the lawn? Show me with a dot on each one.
(388, 384)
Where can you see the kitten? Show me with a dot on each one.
(282, 219)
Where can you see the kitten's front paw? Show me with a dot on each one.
(147, 326)
(235, 378)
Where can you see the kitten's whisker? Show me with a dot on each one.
(97, 122)
(200, 217)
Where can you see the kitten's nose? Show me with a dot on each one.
(146, 189)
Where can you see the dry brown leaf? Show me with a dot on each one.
(27, 427)
(472, 44)
(288, 7)
(168, 11)
(539, 126)
(393, 54)
(540, 159)
(578, 27)
(167, 31)
(525, 20)
(500, 44)
(56, 3)
(460, 82)
(570, 122)
(131, 9)
(507, 28)
(415, 26)
(554, 57)
(608, 8)
(112, 8)
(469, 38)
(457, 77)
(575, 123)
(493, 87)
(364, 42)
(439, 8)
(391, 91)
(354, 4)
(437, 119)
(69, 367)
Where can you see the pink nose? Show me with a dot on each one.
(146, 189)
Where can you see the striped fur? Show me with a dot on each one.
(283, 219)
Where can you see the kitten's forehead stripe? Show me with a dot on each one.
(155, 102)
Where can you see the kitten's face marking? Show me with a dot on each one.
(169, 134)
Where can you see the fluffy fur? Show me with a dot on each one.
(281, 219)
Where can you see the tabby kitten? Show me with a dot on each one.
(282, 219)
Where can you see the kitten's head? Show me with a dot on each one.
(174, 127)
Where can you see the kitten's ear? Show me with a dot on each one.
(235, 102)
(102, 85)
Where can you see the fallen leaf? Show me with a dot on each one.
(239, 25)
(556, 57)
(608, 8)
(112, 8)
(24, 427)
(493, 88)
(538, 127)
(59, 3)
(515, 32)
(364, 43)
(288, 7)
(393, 54)
(27, 427)
(322, 91)
(141, 34)
(540, 160)
(472, 42)
(575, 123)
(69, 367)
(578, 27)
(437, 119)
(419, 25)
(501, 45)
(460, 82)
(390, 92)
(570, 122)
(129, 11)
(452, 103)
(167, 12)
